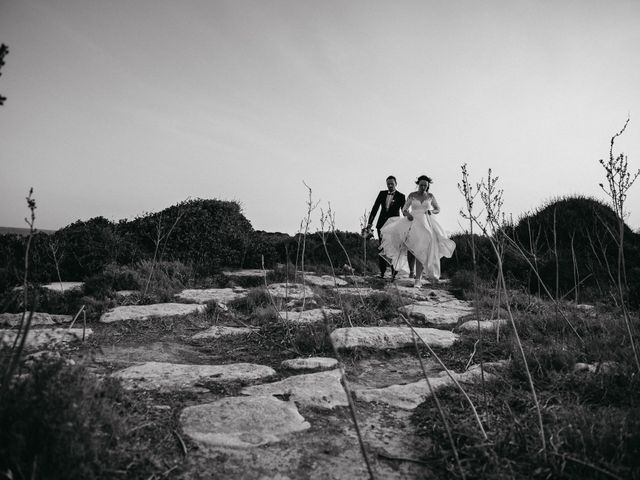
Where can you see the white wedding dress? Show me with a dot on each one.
(423, 236)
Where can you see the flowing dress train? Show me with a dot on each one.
(423, 236)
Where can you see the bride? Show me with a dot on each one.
(417, 232)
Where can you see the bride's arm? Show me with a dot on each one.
(434, 204)
(407, 207)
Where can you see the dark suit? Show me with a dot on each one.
(397, 202)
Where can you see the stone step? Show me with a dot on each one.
(311, 363)
(446, 313)
(242, 422)
(206, 295)
(145, 312)
(389, 337)
(485, 325)
(315, 315)
(321, 390)
(409, 396)
(171, 376)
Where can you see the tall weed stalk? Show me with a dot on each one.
(619, 181)
(494, 230)
(27, 315)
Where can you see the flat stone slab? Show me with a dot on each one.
(173, 376)
(242, 422)
(246, 273)
(219, 331)
(409, 396)
(290, 290)
(311, 363)
(438, 313)
(322, 389)
(485, 325)
(315, 315)
(206, 295)
(63, 286)
(389, 337)
(43, 338)
(38, 318)
(144, 312)
(324, 281)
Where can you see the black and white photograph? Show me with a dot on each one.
(319, 239)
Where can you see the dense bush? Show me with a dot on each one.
(585, 243)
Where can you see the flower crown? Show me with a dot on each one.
(424, 177)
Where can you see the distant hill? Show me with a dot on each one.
(21, 231)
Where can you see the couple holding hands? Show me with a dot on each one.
(415, 242)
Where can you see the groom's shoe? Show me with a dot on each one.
(412, 275)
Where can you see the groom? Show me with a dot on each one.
(389, 202)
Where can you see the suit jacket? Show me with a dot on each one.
(381, 204)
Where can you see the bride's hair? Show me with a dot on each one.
(424, 177)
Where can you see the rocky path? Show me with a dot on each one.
(278, 417)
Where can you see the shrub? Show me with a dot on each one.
(59, 422)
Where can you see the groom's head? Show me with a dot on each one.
(391, 183)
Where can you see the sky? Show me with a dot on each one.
(121, 107)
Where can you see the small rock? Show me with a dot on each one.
(311, 363)
(63, 286)
(127, 293)
(602, 367)
(315, 315)
(223, 331)
(290, 290)
(485, 325)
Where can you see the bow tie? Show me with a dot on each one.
(390, 193)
